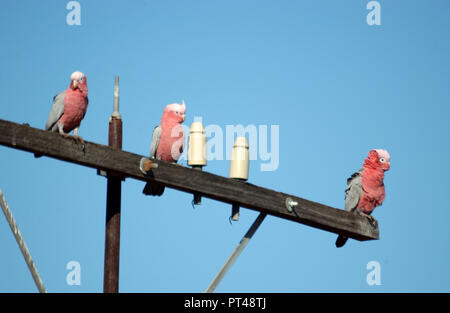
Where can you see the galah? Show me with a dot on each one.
(365, 188)
(69, 107)
(167, 141)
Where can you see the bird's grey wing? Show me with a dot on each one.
(87, 103)
(182, 146)
(155, 141)
(56, 111)
(353, 191)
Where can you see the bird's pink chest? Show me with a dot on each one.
(373, 192)
(75, 107)
(171, 142)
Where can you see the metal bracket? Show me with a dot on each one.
(106, 175)
(290, 204)
(145, 165)
(102, 173)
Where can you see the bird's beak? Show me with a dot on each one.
(75, 84)
(183, 116)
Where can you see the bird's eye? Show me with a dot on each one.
(382, 160)
(177, 112)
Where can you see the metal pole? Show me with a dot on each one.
(116, 101)
(237, 251)
(113, 199)
(22, 245)
(197, 197)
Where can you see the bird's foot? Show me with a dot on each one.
(372, 220)
(65, 135)
(78, 138)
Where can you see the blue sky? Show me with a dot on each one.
(336, 87)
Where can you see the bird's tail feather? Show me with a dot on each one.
(153, 189)
(340, 241)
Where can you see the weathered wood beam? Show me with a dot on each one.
(185, 179)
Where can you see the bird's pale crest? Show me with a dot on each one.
(76, 75)
(383, 154)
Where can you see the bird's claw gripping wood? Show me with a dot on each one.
(372, 221)
(79, 138)
(65, 135)
(146, 165)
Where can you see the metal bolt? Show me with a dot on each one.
(290, 204)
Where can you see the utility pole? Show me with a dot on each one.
(117, 165)
(228, 190)
(113, 199)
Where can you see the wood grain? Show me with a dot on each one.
(125, 164)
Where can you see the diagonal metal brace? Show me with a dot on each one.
(237, 251)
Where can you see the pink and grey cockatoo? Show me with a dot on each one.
(365, 188)
(69, 107)
(167, 141)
